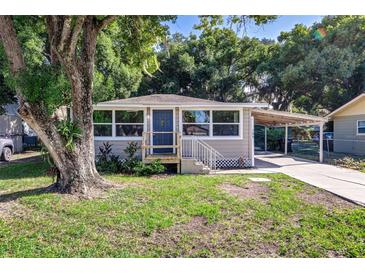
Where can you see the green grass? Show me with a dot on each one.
(173, 216)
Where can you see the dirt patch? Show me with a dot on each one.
(197, 224)
(12, 209)
(325, 199)
(198, 238)
(161, 176)
(258, 191)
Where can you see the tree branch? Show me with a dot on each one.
(106, 21)
(11, 45)
(76, 32)
(66, 32)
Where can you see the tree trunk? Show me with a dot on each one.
(77, 171)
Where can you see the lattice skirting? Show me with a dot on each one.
(240, 162)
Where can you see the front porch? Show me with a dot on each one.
(189, 154)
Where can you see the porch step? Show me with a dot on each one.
(191, 166)
(163, 158)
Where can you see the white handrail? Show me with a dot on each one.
(200, 151)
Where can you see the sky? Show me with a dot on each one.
(184, 24)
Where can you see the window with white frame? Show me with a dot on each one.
(196, 122)
(361, 127)
(128, 123)
(103, 123)
(226, 123)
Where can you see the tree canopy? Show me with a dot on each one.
(53, 61)
(312, 69)
(124, 53)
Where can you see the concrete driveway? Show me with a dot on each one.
(347, 183)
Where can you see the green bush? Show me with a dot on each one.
(132, 161)
(106, 162)
(274, 135)
(142, 169)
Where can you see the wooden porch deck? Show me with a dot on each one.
(164, 158)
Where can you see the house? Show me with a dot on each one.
(197, 135)
(349, 127)
(11, 126)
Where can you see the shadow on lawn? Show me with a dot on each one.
(8, 197)
(21, 170)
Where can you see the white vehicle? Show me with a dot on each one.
(6, 148)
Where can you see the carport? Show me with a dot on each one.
(274, 118)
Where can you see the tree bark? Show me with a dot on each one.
(77, 170)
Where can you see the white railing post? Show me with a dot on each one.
(201, 152)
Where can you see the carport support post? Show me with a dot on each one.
(321, 143)
(286, 140)
(265, 138)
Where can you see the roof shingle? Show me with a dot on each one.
(163, 99)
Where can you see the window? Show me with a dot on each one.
(128, 123)
(226, 123)
(103, 122)
(196, 122)
(361, 127)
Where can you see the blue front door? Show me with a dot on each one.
(163, 122)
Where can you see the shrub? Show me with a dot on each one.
(142, 169)
(349, 162)
(106, 161)
(132, 161)
(274, 136)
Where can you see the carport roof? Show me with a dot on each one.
(275, 118)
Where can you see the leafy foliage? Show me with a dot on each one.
(125, 51)
(70, 132)
(307, 73)
(142, 169)
(132, 160)
(302, 71)
(106, 161)
(213, 66)
(45, 85)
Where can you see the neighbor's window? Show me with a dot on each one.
(226, 123)
(196, 122)
(128, 123)
(360, 127)
(103, 122)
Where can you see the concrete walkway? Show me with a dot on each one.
(347, 183)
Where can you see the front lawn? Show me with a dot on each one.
(176, 216)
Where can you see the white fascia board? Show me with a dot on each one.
(329, 116)
(243, 105)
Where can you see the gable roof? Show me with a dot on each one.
(172, 100)
(348, 104)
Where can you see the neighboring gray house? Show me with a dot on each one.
(349, 126)
(11, 125)
(197, 135)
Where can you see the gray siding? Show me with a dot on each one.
(229, 148)
(346, 139)
(12, 125)
(117, 147)
(233, 147)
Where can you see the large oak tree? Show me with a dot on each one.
(67, 74)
